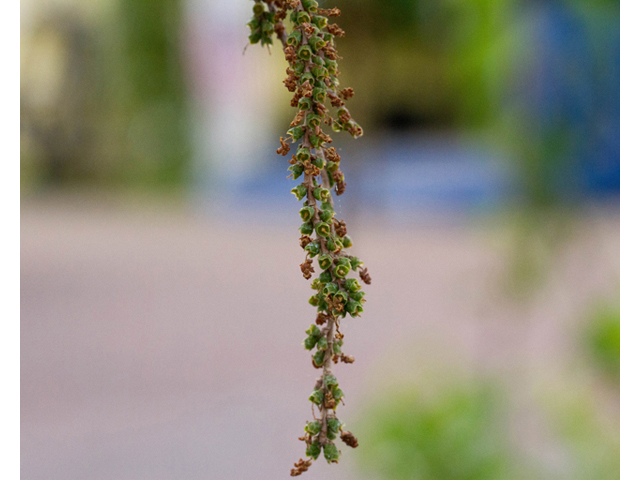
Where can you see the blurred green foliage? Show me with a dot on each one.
(587, 433)
(603, 340)
(457, 435)
(103, 97)
(424, 64)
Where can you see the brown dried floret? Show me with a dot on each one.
(335, 30)
(300, 467)
(305, 240)
(364, 275)
(334, 12)
(349, 438)
(307, 268)
(284, 147)
(346, 93)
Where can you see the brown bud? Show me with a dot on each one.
(284, 147)
(347, 358)
(307, 268)
(341, 228)
(334, 12)
(335, 30)
(346, 93)
(305, 240)
(322, 318)
(349, 438)
(364, 275)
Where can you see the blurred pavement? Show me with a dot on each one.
(161, 345)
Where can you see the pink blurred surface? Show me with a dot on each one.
(160, 345)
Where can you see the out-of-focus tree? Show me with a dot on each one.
(103, 97)
(459, 433)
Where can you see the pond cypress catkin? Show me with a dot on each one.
(312, 78)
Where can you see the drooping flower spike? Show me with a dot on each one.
(312, 77)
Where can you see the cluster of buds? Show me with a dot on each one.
(312, 77)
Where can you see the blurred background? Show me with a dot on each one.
(162, 303)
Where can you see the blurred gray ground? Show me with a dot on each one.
(164, 345)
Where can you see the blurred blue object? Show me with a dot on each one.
(572, 89)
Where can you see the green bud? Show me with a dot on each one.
(330, 381)
(330, 288)
(313, 120)
(316, 397)
(296, 133)
(326, 206)
(294, 38)
(313, 427)
(319, 21)
(325, 277)
(267, 27)
(352, 308)
(342, 296)
(316, 43)
(314, 301)
(303, 154)
(336, 348)
(316, 284)
(322, 304)
(258, 8)
(305, 52)
(357, 296)
(318, 358)
(344, 261)
(352, 285)
(334, 425)
(323, 229)
(310, 5)
(325, 261)
(302, 17)
(254, 24)
(313, 248)
(331, 245)
(337, 394)
(306, 213)
(355, 263)
(313, 331)
(299, 67)
(313, 450)
(306, 229)
(307, 77)
(310, 342)
(326, 215)
(336, 127)
(331, 453)
(346, 241)
(331, 65)
(255, 37)
(300, 192)
(304, 103)
(296, 170)
(319, 95)
(315, 141)
(319, 72)
(266, 40)
(341, 271)
(323, 344)
(321, 193)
